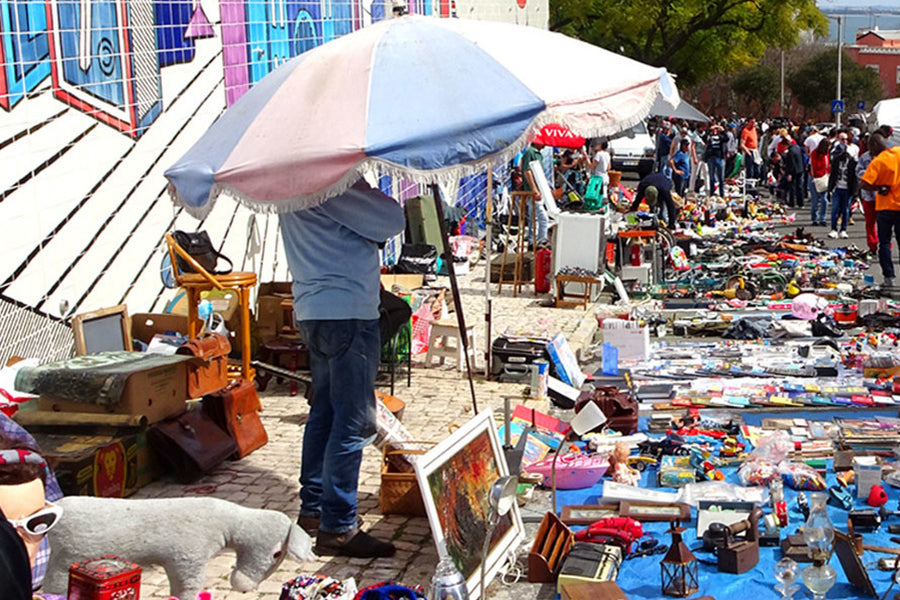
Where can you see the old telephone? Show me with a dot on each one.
(621, 531)
(735, 554)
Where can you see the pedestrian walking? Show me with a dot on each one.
(820, 169)
(842, 185)
(883, 177)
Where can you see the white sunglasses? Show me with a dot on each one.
(40, 522)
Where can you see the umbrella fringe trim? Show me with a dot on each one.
(447, 177)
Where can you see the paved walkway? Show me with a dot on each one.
(437, 398)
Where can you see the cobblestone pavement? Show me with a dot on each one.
(437, 398)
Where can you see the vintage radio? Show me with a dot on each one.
(105, 578)
(590, 562)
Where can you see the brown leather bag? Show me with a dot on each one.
(619, 407)
(236, 409)
(208, 371)
(191, 444)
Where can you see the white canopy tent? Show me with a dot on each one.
(887, 112)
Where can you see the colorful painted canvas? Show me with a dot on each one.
(456, 478)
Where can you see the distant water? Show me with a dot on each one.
(886, 18)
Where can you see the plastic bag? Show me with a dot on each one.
(800, 476)
(761, 465)
(421, 328)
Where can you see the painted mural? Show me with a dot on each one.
(98, 98)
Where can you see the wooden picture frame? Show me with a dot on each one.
(653, 511)
(586, 514)
(455, 478)
(853, 566)
(102, 330)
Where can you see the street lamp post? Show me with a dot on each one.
(840, 20)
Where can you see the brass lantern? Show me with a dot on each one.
(679, 568)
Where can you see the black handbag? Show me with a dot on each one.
(201, 249)
(417, 259)
(190, 444)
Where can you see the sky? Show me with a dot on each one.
(862, 4)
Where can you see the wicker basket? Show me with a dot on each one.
(615, 177)
(399, 493)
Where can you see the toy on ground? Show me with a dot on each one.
(180, 534)
(622, 473)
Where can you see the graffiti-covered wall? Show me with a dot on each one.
(98, 98)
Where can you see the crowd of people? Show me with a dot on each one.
(822, 168)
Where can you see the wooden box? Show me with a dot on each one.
(551, 545)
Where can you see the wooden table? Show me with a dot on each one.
(582, 299)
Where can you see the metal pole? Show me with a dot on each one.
(488, 303)
(781, 103)
(454, 288)
(837, 115)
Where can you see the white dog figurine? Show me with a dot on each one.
(181, 534)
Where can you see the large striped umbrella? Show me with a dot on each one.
(430, 99)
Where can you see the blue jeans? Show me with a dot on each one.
(716, 172)
(888, 224)
(840, 208)
(538, 221)
(818, 207)
(751, 170)
(343, 356)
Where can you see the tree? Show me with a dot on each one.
(814, 84)
(757, 85)
(691, 38)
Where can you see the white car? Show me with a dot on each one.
(633, 150)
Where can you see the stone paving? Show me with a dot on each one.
(437, 398)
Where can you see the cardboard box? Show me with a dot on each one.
(271, 316)
(868, 473)
(407, 281)
(632, 342)
(108, 466)
(145, 325)
(155, 393)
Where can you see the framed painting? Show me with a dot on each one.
(586, 514)
(647, 511)
(455, 478)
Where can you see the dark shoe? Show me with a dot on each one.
(310, 523)
(354, 543)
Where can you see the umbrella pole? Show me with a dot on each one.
(454, 288)
(488, 219)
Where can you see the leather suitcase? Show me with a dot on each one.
(191, 444)
(236, 409)
(511, 358)
(208, 371)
